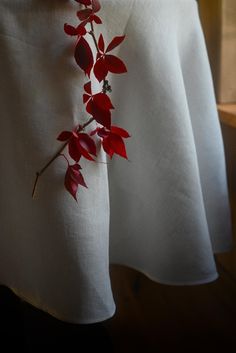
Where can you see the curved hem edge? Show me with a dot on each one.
(209, 279)
(55, 314)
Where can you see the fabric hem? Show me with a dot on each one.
(208, 279)
(55, 314)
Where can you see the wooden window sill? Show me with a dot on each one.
(227, 114)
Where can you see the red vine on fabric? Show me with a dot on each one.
(98, 106)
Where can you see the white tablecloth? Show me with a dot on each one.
(166, 210)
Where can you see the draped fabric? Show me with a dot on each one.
(164, 212)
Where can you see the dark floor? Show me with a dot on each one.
(150, 318)
(157, 318)
(26, 329)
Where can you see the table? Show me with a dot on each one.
(164, 212)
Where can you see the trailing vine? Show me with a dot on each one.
(81, 144)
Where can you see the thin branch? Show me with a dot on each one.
(106, 87)
(94, 38)
(39, 173)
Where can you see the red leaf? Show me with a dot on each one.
(76, 174)
(82, 145)
(100, 70)
(86, 97)
(117, 144)
(84, 56)
(107, 148)
(102, 132)
(83, 23)
(81, 30)
(65, 135)
(70, 30)
(70, 184)
(93, 132)
(73, 178)
(96, 5)
(119, 131)
(87, 143)
(74, 171)
(88, 87)
(97, 19)
(101, 44)
(73, 149)
(84, 14)
(102, 116)
(114, 64)
(98, 56)
(103, 101)
(89, 107)
(80, 180)
(84, 152)
(115, 42)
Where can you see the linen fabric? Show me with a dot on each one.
(164, 212)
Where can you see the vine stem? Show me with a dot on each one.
(58, 153)
(40, 172)
(96, 45)
(93, 36)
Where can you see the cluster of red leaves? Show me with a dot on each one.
(99, 105)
